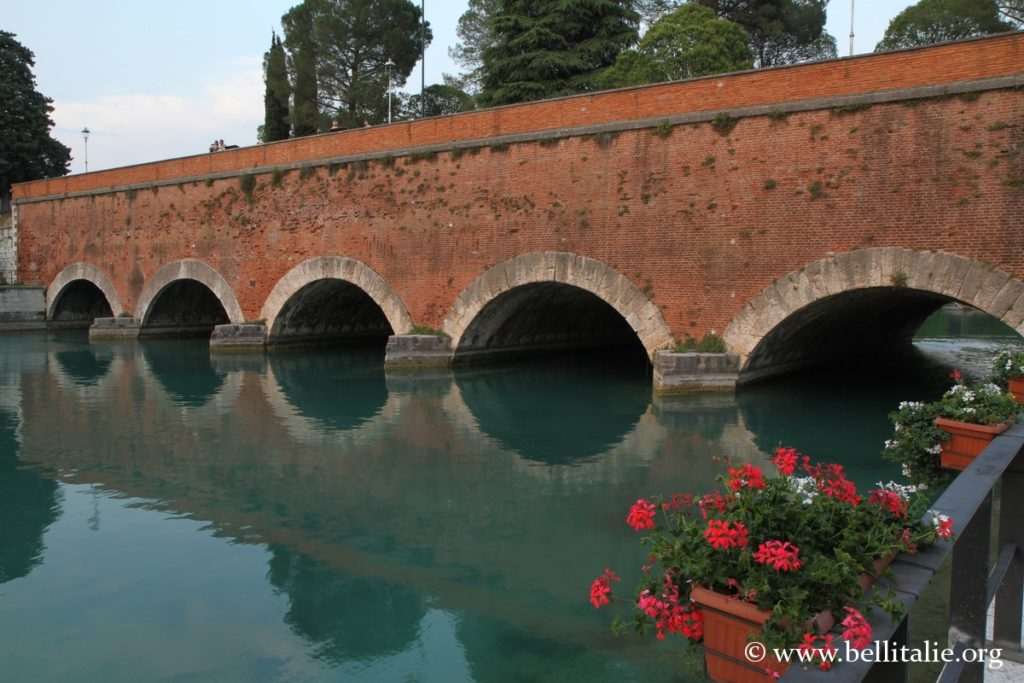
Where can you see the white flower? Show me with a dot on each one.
(904, 491)
(806, 487)
(936, 449)
(938, 518)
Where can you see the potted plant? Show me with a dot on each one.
(950, 432)
(774, 559)
(1008, 372)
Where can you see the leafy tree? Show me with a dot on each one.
(652, 10)
(549, 49)
(781, 31)
(27, 152)
(689, 42)
(300, 42)
(475, 35)
(437, 100)
(350, 42)
(940, 21)
(1012, 11)
(787, 48)
(275, 98)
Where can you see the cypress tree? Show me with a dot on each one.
(298, 34)
(275, 98)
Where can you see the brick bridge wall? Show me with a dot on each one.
(700, 194)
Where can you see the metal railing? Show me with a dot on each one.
(975, 581)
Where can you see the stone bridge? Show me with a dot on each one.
(801, 213)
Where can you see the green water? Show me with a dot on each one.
(168, 516)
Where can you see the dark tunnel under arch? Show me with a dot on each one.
(861, 302)
(542, 318)
(330, 311)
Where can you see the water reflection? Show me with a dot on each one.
(29, 504)
(810, 411)
(841, 415)
(955, 321)
(84, 366)
(183, 369)
(580, 416)
(346, 618)
(398, 523)
(336, 391)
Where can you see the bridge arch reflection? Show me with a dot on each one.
(332, 400)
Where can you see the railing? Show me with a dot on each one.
(974, 584)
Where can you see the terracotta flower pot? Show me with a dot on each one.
(1016, 387)
(728, 622)
(966, 442)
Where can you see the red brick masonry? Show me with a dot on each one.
(702, 216)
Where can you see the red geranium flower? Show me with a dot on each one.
(712, 500)
(602, 588)
(890, 500)
(641, 515)
(785, 460)
(782, 556)
(748, 476)
(857, 629)
(725, 535)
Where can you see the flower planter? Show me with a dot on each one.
(728, 622)
(1016, 387)
(966, 441)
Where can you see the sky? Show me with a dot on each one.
(157, 80)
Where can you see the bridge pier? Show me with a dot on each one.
(114, 329)
(418, 350)
(680, 373)
(238, 337)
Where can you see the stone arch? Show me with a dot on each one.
(884, 274)
(337, 268)
(81, 271)
(575, 270)
(188, 269)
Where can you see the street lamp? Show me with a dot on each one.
(389, 68)
(85, 136)
(851, 27)
(423, 58)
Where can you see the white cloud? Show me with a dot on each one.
(132, 129)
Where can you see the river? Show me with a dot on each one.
(306, 516)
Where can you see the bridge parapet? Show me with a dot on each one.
(968, 65)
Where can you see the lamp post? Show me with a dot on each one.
(851, 27)
(85, 136)
(423, 58)
(389, 68)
